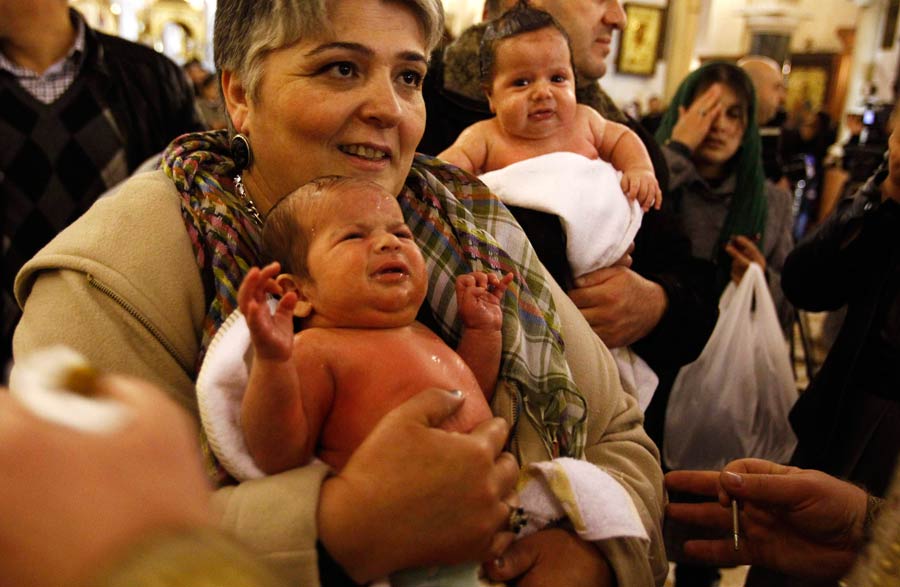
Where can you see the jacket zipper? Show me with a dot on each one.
(153, 330)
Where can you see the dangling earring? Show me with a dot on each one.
(241, 152)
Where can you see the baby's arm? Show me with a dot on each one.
(478, 296)
(620, 146)
(280, 429)
(469, 152)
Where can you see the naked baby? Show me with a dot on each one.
(355, 279)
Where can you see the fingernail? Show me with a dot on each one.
(456, 393)
(499, 562)
(734, 479)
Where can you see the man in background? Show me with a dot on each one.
(770, 96)
(79, 111)
(665, 304)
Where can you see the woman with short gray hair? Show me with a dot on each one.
(142, 282)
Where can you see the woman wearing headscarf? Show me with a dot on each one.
(142, 282)
(731, 213)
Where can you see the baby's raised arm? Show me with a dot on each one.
(620, 146)
(469, 152)
(278, 429)
(478, 297)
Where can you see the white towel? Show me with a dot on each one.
(220, 390)
(599, 221)
(596, 504)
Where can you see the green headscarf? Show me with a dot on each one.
(748, 208)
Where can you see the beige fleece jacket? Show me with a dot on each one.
(121, 286)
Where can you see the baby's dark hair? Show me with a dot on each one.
(286, 231)
(521, 18)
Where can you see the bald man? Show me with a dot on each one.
(768, 81)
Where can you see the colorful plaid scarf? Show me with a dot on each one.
(459, 226)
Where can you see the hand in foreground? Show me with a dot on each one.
(890, 189)
(621, 306)
(272, 334)
(548, 558)
(695, 121)
(642, 186)
(743, 251)
(478, 297)
(413, 495)
(72, 502)
(800, 522)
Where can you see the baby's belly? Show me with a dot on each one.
(361, 404)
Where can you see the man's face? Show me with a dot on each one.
(771, 94)
(590, 25)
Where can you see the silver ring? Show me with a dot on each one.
(518, 519)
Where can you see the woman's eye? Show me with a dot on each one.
(342, 69)
(412, 78)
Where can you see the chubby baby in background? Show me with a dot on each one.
(527, 74)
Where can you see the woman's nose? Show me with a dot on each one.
(382, 106)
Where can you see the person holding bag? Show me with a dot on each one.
(735, 218)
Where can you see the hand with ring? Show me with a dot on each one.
(695, 121)
(518, 519)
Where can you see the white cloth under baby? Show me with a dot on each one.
(597, 505)
(220, 390)
(600, 224)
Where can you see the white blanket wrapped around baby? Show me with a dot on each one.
(600, 224)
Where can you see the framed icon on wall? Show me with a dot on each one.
(642, 39)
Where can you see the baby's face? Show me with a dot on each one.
(533, 91)
(366, 269)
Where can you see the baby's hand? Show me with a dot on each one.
(643, 187)
(272, 334)
(478, 297)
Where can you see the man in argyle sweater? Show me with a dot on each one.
(79, 111)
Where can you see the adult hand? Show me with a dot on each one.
(621, 306)
(695, 120)
(800, 522)
(413, 495)
(743, 251)
(551, 557)
(72, 502)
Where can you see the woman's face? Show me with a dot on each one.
(726, 132)
(345, 102)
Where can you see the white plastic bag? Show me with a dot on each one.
(733, 401)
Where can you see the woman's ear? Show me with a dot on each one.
(236, 100)
(291, 283)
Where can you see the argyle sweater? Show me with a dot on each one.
(55, 160)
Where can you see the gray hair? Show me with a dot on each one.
(246, 30)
